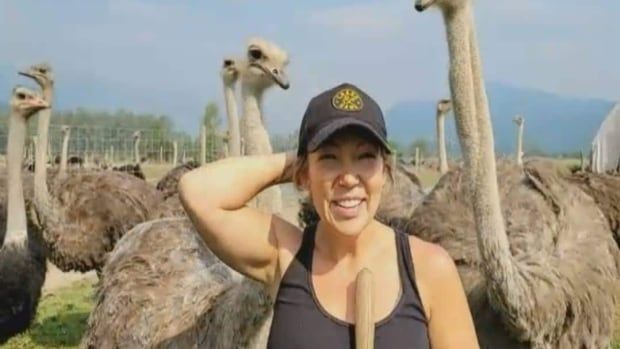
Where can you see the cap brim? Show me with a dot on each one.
(331, 128)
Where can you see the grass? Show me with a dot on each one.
(60, 321)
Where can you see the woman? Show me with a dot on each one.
(343, 161)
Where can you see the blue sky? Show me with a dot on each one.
(163, 56)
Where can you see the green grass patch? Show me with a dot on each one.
(61, 319)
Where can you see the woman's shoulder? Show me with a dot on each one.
(435, 272)
(431, 259)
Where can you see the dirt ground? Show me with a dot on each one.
(56, 278)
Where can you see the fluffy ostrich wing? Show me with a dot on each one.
(163, 288)
(95, 210)
(168, 184)
(605, 191)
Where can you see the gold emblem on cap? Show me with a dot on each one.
(347, 99)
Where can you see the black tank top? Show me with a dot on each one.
(300, 322)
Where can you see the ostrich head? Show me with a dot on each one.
(26, 102)
(444, 106)
(518, 120)
(422, 5)
(137, 135)
(266, 64)
(230, 71)
(41, 73)
(65, 129)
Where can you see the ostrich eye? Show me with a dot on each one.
(228, 62)
(21, 95)
(43, 70)
(256, 53)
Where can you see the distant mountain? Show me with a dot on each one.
(553, 123)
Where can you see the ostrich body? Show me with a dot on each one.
(519, 121)
(22, 255)
(546, 278)
(163, 288)
(605, 191)
(83, 215)
(230, 74)
(443, 107)
(168, 183)
(131, 169)
(266, 64)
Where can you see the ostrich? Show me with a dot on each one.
(66, 133)
(83, 215)
(230, 74)
(168, 184)
(163, 288)
(225, 143)
(519, 121)
(137, 135)
(133, 169)
(546, 278)
(139, 304)
(443, 107)
(265, 66)
(22, 256)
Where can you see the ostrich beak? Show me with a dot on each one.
(421, 5)
(278, 75)
(39, 103)
(26, 74)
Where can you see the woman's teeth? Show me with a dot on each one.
(351, 203)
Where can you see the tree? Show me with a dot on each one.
(211, 119)
(420, 143)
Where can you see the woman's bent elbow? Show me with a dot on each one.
(187, 188)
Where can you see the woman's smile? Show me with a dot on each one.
(347, 208)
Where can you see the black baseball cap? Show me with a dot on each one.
(339, 107)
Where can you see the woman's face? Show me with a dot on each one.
(345, 179)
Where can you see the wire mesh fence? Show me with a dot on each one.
(103, 145)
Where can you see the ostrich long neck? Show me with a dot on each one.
(461, 86)
(506, 285)
(252, 117)
(16, 228)
(136, 149)
(234, 143)
(41, 194)
(520, 143)
(63, 155)
(441, 142)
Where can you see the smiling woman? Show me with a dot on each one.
(343, 161)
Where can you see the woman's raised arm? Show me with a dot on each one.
(215, 195)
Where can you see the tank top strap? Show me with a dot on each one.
(405, 262)
(306, 250)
